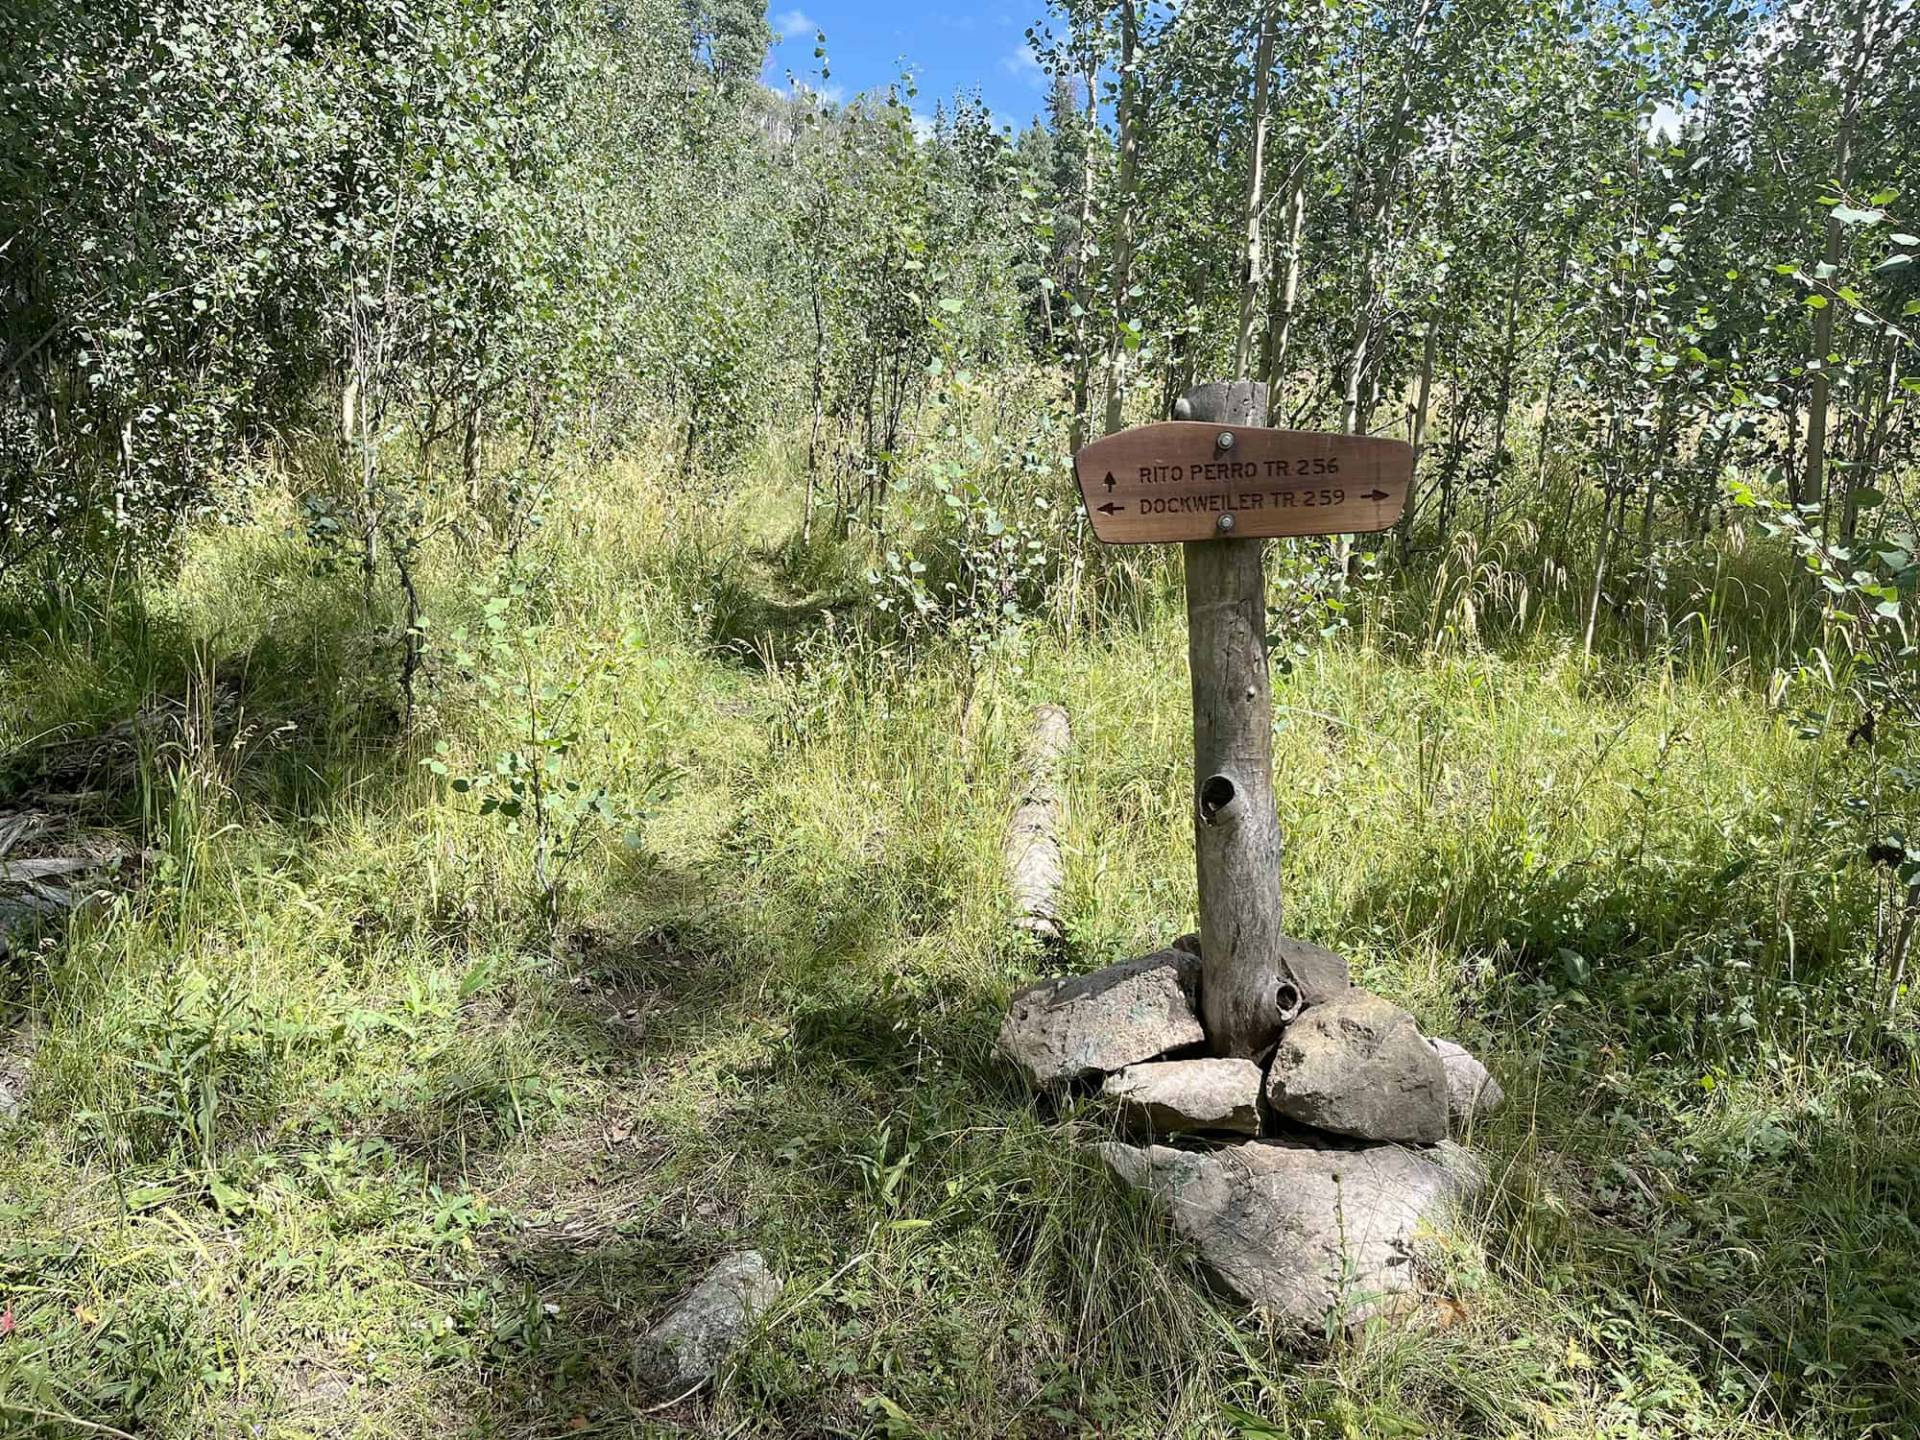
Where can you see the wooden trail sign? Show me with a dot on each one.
(1219, 480)
(1194, 480)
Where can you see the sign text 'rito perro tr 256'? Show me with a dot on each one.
(1190, 480)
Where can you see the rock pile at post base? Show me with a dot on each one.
(1305, 1180)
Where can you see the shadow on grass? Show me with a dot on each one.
(1704, 1117)
(114, 700)
(860, 1136)
(765, 607)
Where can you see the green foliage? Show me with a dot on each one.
(534, 786)
(699, 450)
(325, 1131)
(200, 245)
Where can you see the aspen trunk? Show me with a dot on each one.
(1032, 844)
(1250, 274)
(1509, 349)
(1600, 567)
(819, 394)
(1083, 266)
(1350, 418)
(1286, 295)
(1814, 476)
(1418, 432)
(1375, 218)
(1122, 277)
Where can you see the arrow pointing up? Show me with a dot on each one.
(1108, 482)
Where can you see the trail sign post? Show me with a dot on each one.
(1194, 480)
(1216, 478)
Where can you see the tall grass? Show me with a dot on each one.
(330, 1134)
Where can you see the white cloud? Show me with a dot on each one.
(922, 126)
(1023, 64)
(791, 23)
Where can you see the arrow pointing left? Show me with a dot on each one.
(1110, 508)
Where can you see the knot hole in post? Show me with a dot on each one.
(1287, 1001)
(1216, 794)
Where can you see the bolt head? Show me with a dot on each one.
(1224, 440)
(1224, 524)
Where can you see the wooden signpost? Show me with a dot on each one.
(1194, 480)
(1218, 479)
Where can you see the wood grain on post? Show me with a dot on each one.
(1245, 993)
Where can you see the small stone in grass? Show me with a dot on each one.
(688, 1347)
(1471, 1091)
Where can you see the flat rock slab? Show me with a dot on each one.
(1471, 1091)
(1084, 1027)
(1359, 1066)
(1166, 1097)
(688, 1347)
(1300, 1232)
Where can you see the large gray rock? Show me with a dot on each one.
(1312, 974)
(1166, 1097)
(1471, 1091)
(1317, 973)
(1359, 1066)
(1088, 1026)
(688, 1347)
(1304, 1233)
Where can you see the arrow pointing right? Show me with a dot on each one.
(1375, 495)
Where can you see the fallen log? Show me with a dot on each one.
(1032, 847)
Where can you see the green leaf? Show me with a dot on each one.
(1816, 302)
(230, 1200)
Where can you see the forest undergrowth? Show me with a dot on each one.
(366, 1105)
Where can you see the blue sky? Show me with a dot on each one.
(949, 47)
